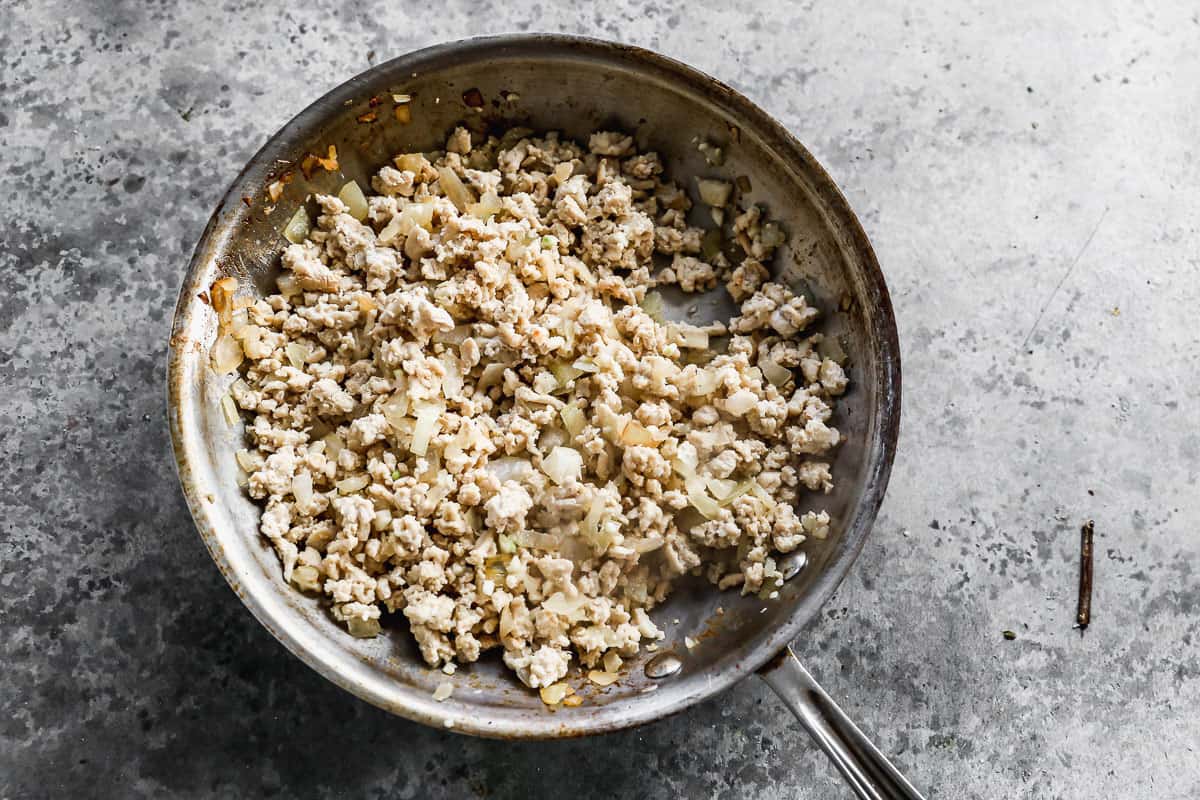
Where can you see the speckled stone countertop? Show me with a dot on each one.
(1028, 173)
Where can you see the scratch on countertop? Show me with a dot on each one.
(1063, 279)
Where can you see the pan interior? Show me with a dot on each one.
(575, 86)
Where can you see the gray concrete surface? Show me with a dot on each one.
(1028, 172)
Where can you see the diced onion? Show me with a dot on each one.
(242, 302)
(363, 628)
(602, 678)
(413, 162)
(700, 499)
(226, 354)
(540, 541)
(229, 409)
(739, 490)
(585, 364)
(611, 424)
(569, 330)
(426, 471)
(647, 545)
(712, 192)
(352, 195)
(573, 419)
(443, 691)
(455, 336)
(297, 354)
(243, 329)
(413, 215)
(487, 206)
(392, 232)
(762, 494)
(516, 250)
(575, 548)
(296, 231)
(571, 608)
(635, 433)
(418, 215)
(772, 235)
(452, 382)
(510, 468)
(652, 304)
(506, 622)
(248, 461)
(833, 349)
(427, 422)
(591, 522)
(306, 578)
(721, 487)
(333, 445)
(437, 492)
(354, 483)
(774, 372)
(612, 661)
(563, 464)
(222, 297)
(491, 375)
(455, 189)
(302, 488)
(708, 507)
(565, 373)
(608, 534)
(553, 694)
(288, 285)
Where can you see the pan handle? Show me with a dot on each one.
(869, 773)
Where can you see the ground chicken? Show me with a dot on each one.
(467, 410)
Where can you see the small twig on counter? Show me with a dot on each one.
(1084, 616)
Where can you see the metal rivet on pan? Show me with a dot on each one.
(791, 565)
(663, 665)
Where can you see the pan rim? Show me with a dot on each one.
(880, 449)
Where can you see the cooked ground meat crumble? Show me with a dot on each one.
(467, 408)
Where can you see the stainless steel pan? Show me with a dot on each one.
(577, 86)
